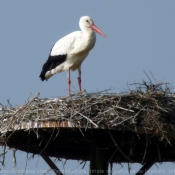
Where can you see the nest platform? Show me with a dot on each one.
(134, 127)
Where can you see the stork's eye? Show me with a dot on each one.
(87, 21)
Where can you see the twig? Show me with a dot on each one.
(127, 119)
(146, 146)
(124, 155)
(3, 159)
(25, 165)
(28, 103)
(88, 119)
(14, 158)
(123, 109)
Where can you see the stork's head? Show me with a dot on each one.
(87, 23)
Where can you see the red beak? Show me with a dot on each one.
(95, 28)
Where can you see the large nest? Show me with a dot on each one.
(149, 110)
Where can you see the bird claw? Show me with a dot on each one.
(81, 92)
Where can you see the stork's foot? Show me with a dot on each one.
(81, 92)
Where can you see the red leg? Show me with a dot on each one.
(79, 83)
(69, 82)
(79, 78)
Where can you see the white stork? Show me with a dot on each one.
(69, 52)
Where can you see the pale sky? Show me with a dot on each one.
(140, 37)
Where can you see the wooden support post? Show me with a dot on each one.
(102, 161)
(92, 157)
(98, 159)
(147, 166)
(51, 164)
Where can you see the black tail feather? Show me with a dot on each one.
(51, 63)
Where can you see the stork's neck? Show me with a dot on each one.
(89, 38)
(89, 34)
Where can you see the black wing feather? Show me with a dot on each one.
(51, 63)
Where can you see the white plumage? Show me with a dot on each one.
(69, 52)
